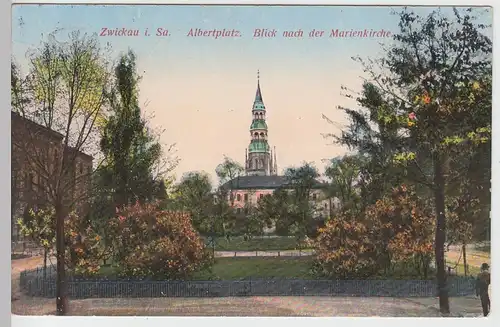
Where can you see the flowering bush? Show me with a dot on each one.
(343, 249)
(403, 229)
(84, 248)
(397, 229)
(150, 242)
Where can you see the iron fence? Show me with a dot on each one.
(42, 283)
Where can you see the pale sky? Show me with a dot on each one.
(201, 90)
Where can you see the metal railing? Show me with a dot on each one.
(42, 283)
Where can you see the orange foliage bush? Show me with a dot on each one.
(150, 242)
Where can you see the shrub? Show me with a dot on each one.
(150, 242)
(343, 249)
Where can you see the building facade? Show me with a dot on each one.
(36, 160)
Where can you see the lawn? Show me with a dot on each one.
(247, 267)
(259, 267)
(257, 244)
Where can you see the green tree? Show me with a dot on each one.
(301, 181)
(64, 91)
(194, 195)
(134, 163)
(436, 80)
(345, 175)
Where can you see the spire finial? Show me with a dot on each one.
(258, 75)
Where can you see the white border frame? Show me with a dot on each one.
(42, 321)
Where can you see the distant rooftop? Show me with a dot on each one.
(261, 182)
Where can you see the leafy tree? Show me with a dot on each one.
(435, 82)
(40, 226)
(64, 91)
(83, 248)
(345, 179)
(134, 164)
(275, 210)
(228, 170)
(301, 181)
(194, 195)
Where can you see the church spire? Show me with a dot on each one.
(258, 94)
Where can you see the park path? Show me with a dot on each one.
(275, 253)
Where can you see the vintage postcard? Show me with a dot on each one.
(238, 160)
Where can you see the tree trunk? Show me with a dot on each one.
(439, 198)
(44, 263)
(61, 287)
(465, 259)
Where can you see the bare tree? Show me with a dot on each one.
(57, 108)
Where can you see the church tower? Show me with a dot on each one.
(259, 158)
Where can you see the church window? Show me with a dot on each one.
(246, 197)
(326, 206)
(314, 196)
(238, 197)
(261, 196)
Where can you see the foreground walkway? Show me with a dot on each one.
(252, 306)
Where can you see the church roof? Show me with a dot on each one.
(260, 182)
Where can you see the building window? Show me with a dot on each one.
(246, 211)
(326, 206)
(246, 197)
(238, 197)
(261, 196)
(314, 196)
(81, 168)
(238, 210)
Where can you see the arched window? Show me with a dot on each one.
(255, 164)
(262, 134)
(326, 206)
(314, 196)
(238, 197)
(256, 134)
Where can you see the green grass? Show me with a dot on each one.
(245, 268)
(258, 267)
(257, 244)
(460, 271)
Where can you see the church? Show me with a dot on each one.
(261, 167)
